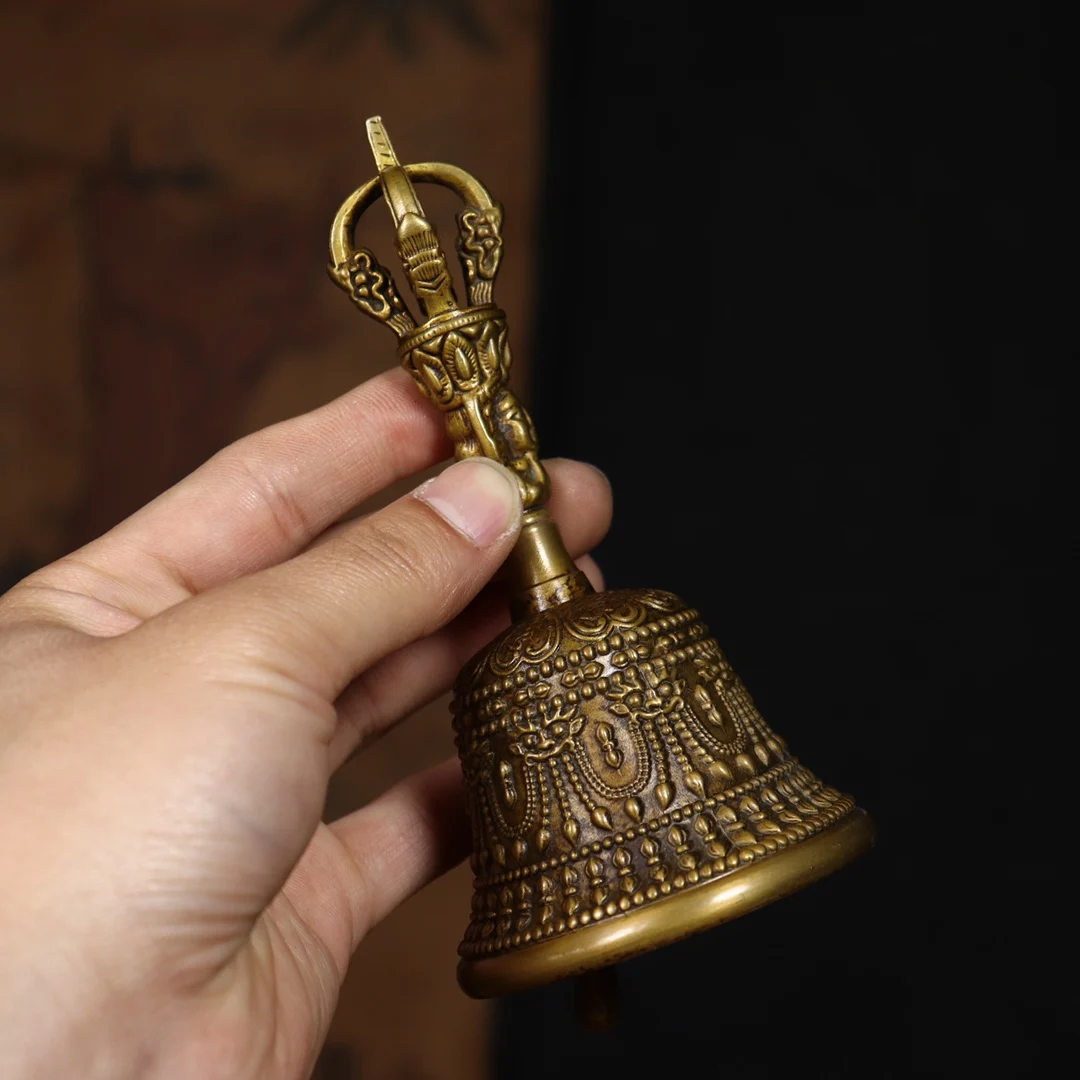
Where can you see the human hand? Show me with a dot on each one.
(174, 698)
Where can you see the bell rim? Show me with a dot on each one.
(706, 905)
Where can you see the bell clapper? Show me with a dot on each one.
(596, 1001)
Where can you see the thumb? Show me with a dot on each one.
(379, 583)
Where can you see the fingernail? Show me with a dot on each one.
(478, 497)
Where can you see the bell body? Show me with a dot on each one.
(625, 792)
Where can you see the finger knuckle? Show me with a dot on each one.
(277, 503)
(406, 549)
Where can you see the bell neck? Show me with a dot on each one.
(540, 571)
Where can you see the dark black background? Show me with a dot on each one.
(808, 300)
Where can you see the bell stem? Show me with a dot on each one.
(541, 573)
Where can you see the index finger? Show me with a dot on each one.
(259, 501)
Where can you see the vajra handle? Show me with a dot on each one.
(459, 357)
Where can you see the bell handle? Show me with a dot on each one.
(459, 359)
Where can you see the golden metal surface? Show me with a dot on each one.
(673, 918)
(624, 790)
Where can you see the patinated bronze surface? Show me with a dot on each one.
(624, 790)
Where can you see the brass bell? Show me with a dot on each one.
(624, 790)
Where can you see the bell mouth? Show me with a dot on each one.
(674, 917)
